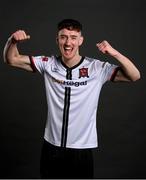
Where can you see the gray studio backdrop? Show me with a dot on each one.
(121, 119)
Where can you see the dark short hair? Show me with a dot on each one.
(70, 24)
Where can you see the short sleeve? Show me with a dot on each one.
(108, 71)
(39, 63)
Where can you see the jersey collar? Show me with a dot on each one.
(73, 67)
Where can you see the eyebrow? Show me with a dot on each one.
(73, 35)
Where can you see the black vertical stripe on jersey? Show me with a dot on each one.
(69, 74)
(65, 116)
(66, 110)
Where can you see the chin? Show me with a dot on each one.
(67, 57)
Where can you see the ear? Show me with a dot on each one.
(56, 40)
(81, 40)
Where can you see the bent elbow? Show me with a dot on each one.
(136, 77)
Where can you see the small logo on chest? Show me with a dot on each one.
(83, 72)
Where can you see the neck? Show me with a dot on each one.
(71, 62)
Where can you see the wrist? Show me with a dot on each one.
(116, 54)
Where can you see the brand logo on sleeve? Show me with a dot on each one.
(44, 58)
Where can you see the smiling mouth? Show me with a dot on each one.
(68, 50)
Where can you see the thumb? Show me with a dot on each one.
(28, 36)
(97, 44)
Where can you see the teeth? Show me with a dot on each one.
(67, 48)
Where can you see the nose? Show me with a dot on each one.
(67, 42)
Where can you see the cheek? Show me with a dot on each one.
(77, 44)
(60, 44)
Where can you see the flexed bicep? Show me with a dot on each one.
(11, 52)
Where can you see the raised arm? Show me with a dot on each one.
(11, 53)
(128, 71)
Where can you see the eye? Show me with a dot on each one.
(62, 37)
(74, 37)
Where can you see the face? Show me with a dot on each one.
(69, 42)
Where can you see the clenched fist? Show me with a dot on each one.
(19, 35)
(106, 48)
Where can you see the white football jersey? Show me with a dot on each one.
(72, 97)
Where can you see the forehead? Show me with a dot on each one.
(69, 32)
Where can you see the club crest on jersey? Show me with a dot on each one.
(83, 72)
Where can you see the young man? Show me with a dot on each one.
(73, 85)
